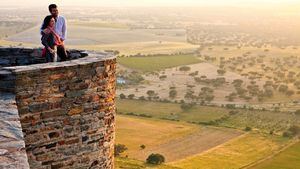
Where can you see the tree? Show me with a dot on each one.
(119, 148)
(186, 106)
(122, 96)
(155, 159)
(131, 96)
(189, 94)
(151, 94)
(219, 81)
(283, 88)
(206, 94)
(290, 92)
(172, 94)
(268, 92)
(248, 128)
(295, 130)
(237, 83)
(185, 68)
(142, 98)
(162, 77)
(221, 71)
(142, 146)
(297, 112)
(231, 97)
(292, 131)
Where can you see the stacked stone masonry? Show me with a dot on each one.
(66, 109)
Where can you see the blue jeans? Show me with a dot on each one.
(49, 56)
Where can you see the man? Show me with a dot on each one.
(60, 29)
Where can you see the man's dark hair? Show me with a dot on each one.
(51, 6)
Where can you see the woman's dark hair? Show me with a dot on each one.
(46, 21)
(51, 6)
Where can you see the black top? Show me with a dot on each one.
(48, 40)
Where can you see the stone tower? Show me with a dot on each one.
(66, 110)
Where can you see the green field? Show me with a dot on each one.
(264, 121)
(155, 63)
(170, 111)
(245, 150)
(234, 154)
(288, 159)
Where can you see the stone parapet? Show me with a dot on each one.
(66, 109)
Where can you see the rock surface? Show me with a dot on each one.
(12, 146)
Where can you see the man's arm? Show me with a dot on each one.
(64, 30)
(41, 30)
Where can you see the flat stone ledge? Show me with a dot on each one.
(90, 57)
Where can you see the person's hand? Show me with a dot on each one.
(51, 50)
(51, 30)
(46, 31)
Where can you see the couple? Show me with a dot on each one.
(53, 33)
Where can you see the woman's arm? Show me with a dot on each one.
(45, 41)
(56, 36)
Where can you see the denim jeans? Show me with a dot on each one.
(49, 56)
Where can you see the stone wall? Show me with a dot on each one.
(22, 57)
(66, 110)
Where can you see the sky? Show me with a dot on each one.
(119, 3)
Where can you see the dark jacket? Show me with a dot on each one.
(48, 40)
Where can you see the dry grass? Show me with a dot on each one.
(174, 140)
(234, 154)
(134, 132)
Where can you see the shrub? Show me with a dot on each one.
(162, 77)
(119, 148)
(122, 96)
(290, 93)
(287, 134)
(292, 131)
(221, 71)
(155, 159)
(142, 146)
(185, 68)
(142, 98)
(232, 112)
(297, 112)
(295, 130)
(283, 88)
(172, 93)
(248, 128)
(131, 96)
(186, 106)
(230, 106)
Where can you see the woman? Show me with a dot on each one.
(50, 39)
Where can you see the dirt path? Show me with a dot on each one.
(195, 143)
